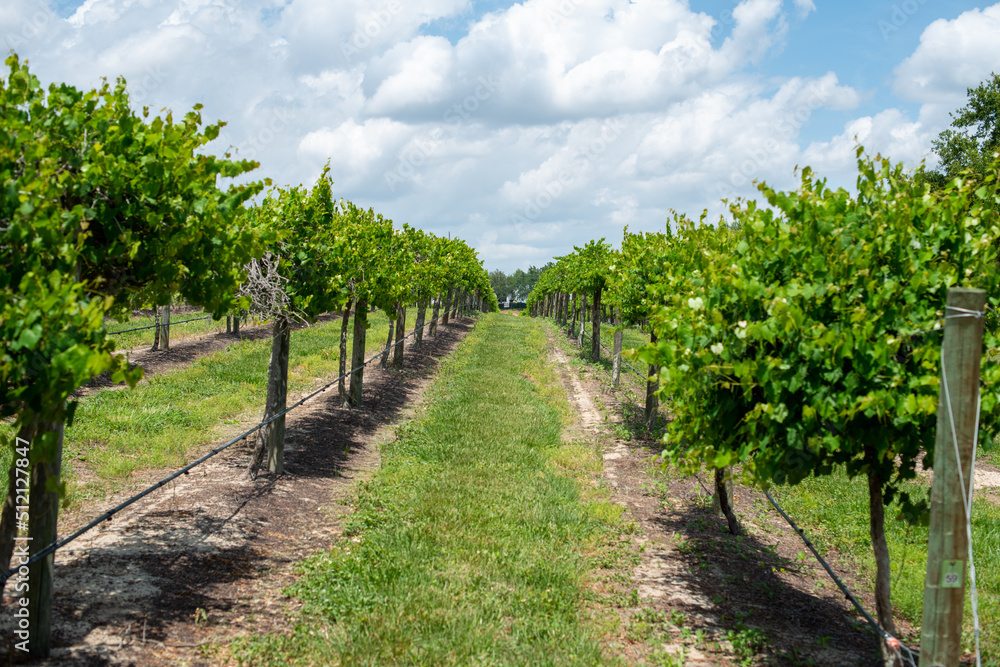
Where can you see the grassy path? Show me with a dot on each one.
(465, 547)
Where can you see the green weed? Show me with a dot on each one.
(747, 643)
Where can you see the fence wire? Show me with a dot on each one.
(107, 516)
(609, 351)
(907, 655)
(155, 326)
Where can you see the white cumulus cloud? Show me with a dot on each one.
(952, 56)
(526, 130)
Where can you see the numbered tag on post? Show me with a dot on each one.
(952, 573)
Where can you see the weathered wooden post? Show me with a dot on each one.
(156, 328)
(272, 436)
(616, 353)
(947, 542)
(397, 352)
(345, 318)
(43, 512)
(165, 326)
(358, 353)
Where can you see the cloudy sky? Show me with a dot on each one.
(527, 128)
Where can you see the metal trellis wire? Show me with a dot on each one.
(107, 516)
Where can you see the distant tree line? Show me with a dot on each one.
(517, 285)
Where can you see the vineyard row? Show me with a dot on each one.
(105, 209)
(791, 341)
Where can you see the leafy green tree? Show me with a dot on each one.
(976, 137)
(518, 284)
(586, 271)
(367, 238)
(425, 283)
(500, 282)
(649, 266)
(413, 279)
(470, 280)
(523, 282)
(802, 337)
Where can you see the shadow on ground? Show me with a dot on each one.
(207, 558)
(756, 593)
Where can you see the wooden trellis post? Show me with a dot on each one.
(165, 328)
(947, 543)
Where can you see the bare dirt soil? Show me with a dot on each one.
(697, 595)
(173, 578)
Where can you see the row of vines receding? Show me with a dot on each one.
(105, 208)
(800, 335)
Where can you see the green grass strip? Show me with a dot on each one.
(833, 511)
(156, 424)
(465, 546)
